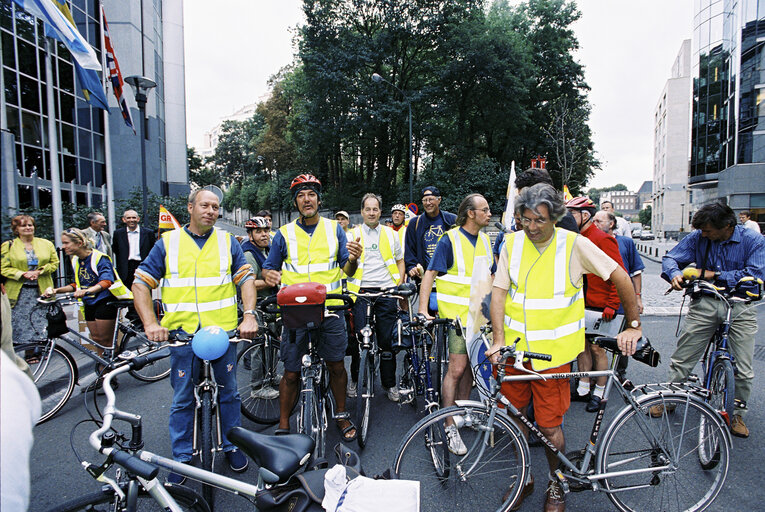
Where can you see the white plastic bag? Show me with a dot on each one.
(364, 494)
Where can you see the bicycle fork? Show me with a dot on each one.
(206, 384)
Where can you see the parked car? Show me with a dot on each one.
(646, 235)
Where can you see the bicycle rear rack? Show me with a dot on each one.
(692, 388)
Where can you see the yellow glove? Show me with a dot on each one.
(691, 273)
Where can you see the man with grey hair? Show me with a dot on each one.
(96, 230)
(622, 225)
(537, 301)
(381, 266)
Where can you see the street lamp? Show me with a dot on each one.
(377, 79)
(142, 86)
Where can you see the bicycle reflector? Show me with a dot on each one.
(210, 343)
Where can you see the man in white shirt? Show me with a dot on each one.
(622, 224)
(381, 266)
(746, 219)
(132, 244)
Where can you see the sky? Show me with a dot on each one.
(627, 49)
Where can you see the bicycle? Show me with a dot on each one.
(422, 372)
(640, 461)
(54, 369)
(718, 363)
(316, 403)
(368, 356)
(135, 485)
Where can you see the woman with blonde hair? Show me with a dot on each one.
(96, 283)
(28, 262)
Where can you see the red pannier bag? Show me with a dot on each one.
(302, 304)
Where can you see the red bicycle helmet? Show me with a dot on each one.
(580, 203)
(302, 181)
(256, 222)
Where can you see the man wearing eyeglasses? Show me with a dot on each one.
(452, 268)
(538, 300)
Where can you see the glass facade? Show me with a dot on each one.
(79, 127)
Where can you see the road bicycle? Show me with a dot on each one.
(55, 370)
(718, 363)
(640, 461)
(368, 354)
(135, 486)
(315, 402)
(422, 373)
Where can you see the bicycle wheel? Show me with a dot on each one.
(721, 390)
(440, 358)
(107, 501)
(258, 374)
(364, 396)
(206, 444)
(636, 440)
(408, 383)
(54, 371)
(496, 462)
(139, 345)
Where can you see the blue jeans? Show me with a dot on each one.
(185, 369)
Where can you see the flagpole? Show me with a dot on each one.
(107, 136)
(55, 178)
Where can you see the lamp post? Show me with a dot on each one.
(142, 86)
(377, 79)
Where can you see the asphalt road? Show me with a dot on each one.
(57, 475)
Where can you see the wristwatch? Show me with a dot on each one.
(635, 324)
(250, 312)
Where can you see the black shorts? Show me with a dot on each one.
(101, 310)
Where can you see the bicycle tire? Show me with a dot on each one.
(106, 500)
(55, 374)
(408, 381)
(722, 389)
(206, 444)
(364, 396)
(440, 359)
(503, 464)
(258, 375)
(152, 372)
(628, 444)
(308, 418)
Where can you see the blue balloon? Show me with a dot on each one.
(210, 343)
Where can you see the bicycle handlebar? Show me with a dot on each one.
(269, 304)
(644, 352)
(510, 351)
(134, 464)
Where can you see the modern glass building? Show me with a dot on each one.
(148, 40)
(727, 158)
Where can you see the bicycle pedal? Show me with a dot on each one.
(562, 480)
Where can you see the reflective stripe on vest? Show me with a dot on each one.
(118, 289)
(543, 308)
(453, 288)
(197, 289)
(386, 244)
(402, 240)
(312, 258)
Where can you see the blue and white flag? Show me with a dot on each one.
(57, 26)
(508, 217)
(478, 316)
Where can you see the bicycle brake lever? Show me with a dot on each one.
(518, 365)
(98, 473)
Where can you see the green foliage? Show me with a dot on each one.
(201, 172)
(75, 216)
(177, 205)
(645, 216)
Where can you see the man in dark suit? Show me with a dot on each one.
(131, 245)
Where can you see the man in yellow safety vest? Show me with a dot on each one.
(538, 300)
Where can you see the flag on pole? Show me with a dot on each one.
(508, 217)
(58, 27)
(91, 85)
(567, 194)
(115, 75)
(167, 220)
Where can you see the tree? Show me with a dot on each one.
(569, 136)
(235, 156)
(645, 216)
(201, 172)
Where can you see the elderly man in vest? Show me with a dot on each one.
(381, 266)
(312, 249)
(198, 268)
(538, 291)
(452, 268)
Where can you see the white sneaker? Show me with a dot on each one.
(456, 446)
(350, 391)
(393, 394)
(265, 393)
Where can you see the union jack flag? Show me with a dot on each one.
(115, 75)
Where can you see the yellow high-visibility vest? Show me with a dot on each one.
(197, 288)
(387, 242)
(453, 288)
(312, 258)
(118, 289)
(543, 308)
(402, 239)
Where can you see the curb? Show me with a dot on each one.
(663, 311)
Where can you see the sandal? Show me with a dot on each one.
(282, 432)
(345, 416)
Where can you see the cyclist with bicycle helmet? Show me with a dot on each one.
(256, 249)
(313, 249)
(398, 223)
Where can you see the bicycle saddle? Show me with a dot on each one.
(282, 455)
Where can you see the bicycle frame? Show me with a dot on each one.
(718, 346)
(422, 371)
(206, 382)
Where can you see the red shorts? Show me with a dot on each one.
(552, 397)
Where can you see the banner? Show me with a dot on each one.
(508, 217)
(167, 220)
(567, 194)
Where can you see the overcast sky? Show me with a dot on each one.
(627, 49)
